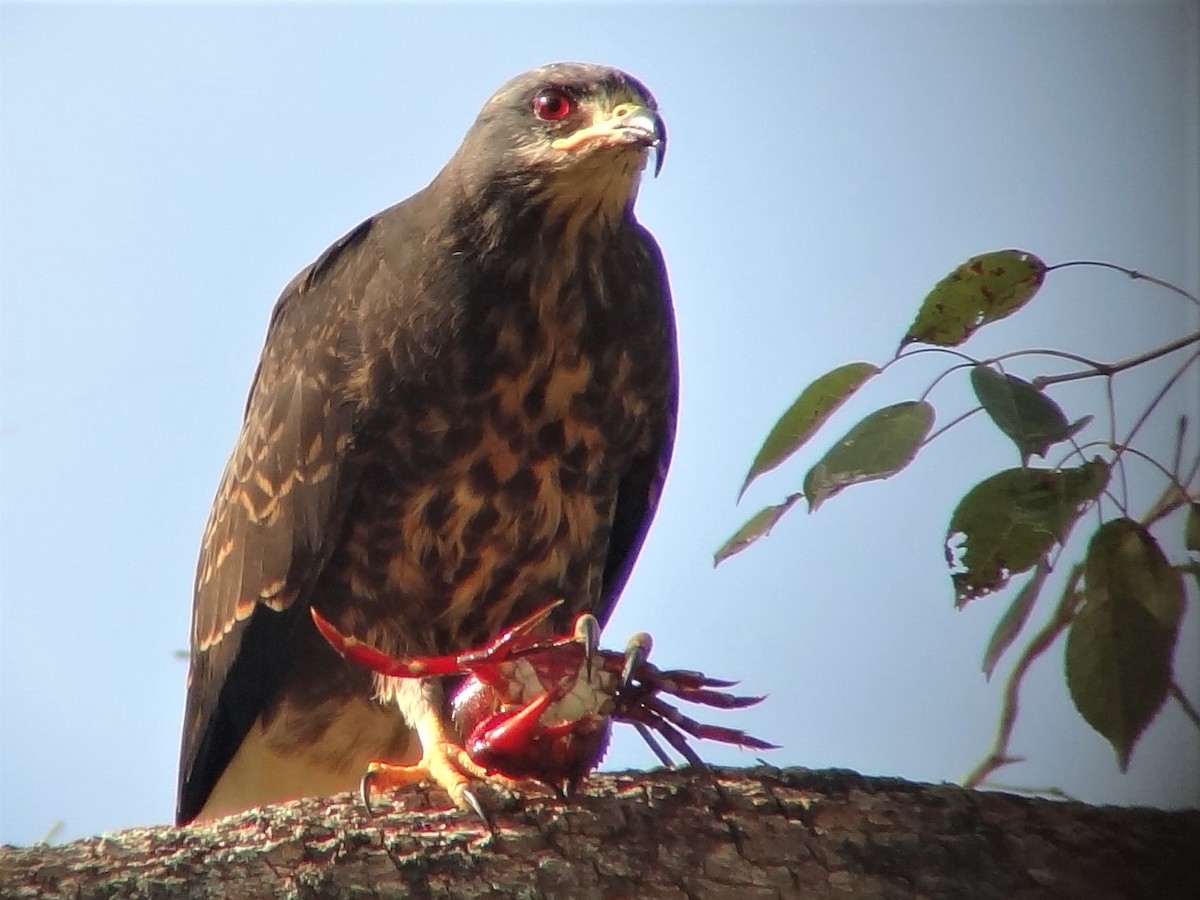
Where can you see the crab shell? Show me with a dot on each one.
(544, 717)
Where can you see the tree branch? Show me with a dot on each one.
(765, 833)
(1109, 369)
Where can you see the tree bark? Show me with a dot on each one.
(757, 833)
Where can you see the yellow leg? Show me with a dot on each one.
(443, 762)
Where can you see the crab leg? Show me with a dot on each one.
(707, 697)
(668, 713)
(644, 730)
(677, 740)
(683, 678)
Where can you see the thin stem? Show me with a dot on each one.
(903, 354)
(1181, 698)
(949, 371)
(1099, 369)
(1170, 476)
(1177, 487)
(1079, 448)
(949, 425)
(1059, 354)
(968, 362)
(1158, 397)
(1180, 434)
(1132, 273)
(1064, 613)
(1110, 400)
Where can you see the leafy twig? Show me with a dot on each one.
(1064, 613)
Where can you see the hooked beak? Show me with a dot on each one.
(629, 123)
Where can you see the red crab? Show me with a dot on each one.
(541, 708)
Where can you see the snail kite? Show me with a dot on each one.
(464, 409)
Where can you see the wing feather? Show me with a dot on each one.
(275, 516)
(641, 485)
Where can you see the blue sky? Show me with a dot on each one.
(164, 171)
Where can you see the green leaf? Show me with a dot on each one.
(877, 447)
(1120, 645)
(1079, 424)
(1008, 522)
(1191, 528)
(812, 408)
(1014, 618)
(984, 289)
(759, 525)
(1031, 419)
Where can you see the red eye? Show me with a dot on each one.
(552, 106)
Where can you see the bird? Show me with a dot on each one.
(464, 409)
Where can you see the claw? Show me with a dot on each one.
(364, 790)
(443, 763)
(587, 632)
(637, 651)
(473, 802)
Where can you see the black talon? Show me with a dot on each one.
(364, 790)
(587, 632)
(473, 802)
(637, 651)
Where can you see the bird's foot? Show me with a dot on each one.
(444, 764)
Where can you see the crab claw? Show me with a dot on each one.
(369, 657)
(363, 654)
(501, 648)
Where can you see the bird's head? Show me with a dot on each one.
(572, 136)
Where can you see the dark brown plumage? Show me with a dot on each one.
(464, 409)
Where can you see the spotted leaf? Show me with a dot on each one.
(984, 289)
